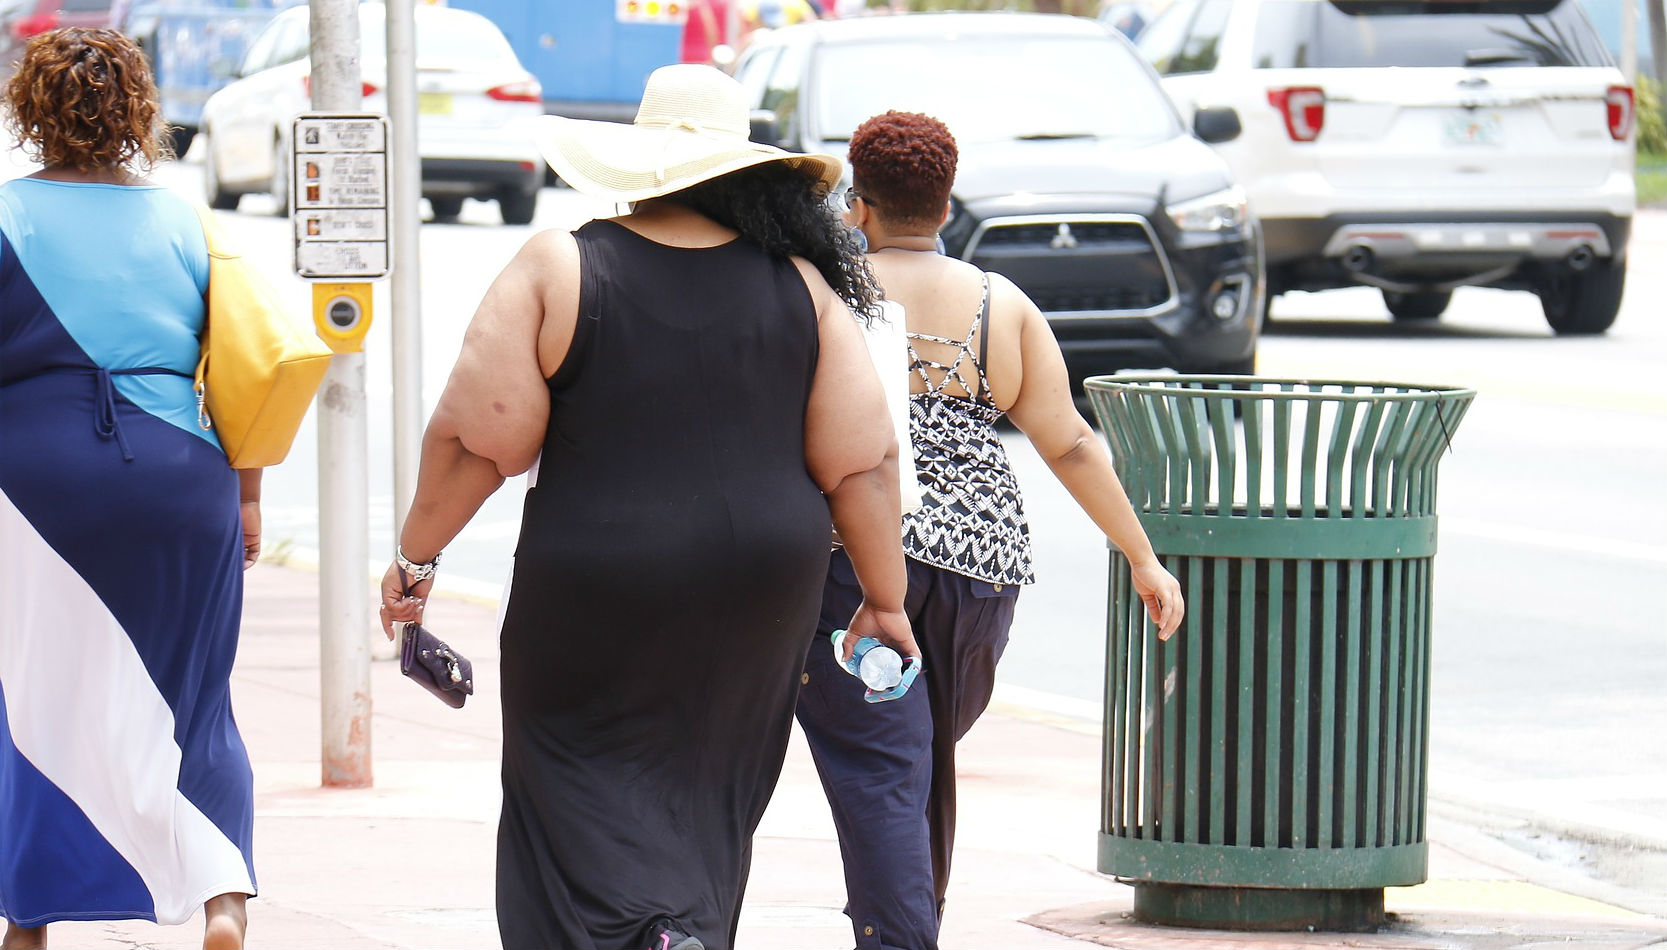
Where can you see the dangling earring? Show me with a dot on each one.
(861, 240)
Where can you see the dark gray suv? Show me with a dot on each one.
(1077, 179)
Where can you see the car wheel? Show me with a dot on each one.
(218, 197)
(180, 138)
(1417, 306)
(446, 207)
(1585, 302)
(518, 207)
(279, 189)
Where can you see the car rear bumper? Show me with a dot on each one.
(1473, 234)
(469, 176)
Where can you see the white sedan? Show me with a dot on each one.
(476, 109)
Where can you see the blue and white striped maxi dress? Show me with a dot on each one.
(125, 789)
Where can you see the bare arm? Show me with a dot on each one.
(248, 498)
(851, 453)
(492, 416)
(1045, 413)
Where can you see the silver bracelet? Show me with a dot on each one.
(415, 573)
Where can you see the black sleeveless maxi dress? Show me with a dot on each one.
(670, 561)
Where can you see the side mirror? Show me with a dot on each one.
(765, 131)
(1216, 124)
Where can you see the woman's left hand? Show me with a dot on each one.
(398, 604)
(250, 513)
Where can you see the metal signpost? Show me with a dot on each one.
(338, 207)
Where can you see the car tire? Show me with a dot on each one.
(518, 207)
(279, 188)
(1409, 307)
(1583, 303)
(218, 197)
(446, 207)
(180, 138)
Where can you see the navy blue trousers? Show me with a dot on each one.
(889, 768)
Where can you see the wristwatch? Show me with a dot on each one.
(415, 573)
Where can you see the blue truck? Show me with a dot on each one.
(194, 48)
(592, 57)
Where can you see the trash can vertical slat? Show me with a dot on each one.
(1298, 778)
(1352, 705)
(1281, 458)
(1248, 702)
(1310, 458)
(1361, 453)
(1219, 703)
(1372, 654)
(1342, 436)
(1327, 765)
(1391, 704)
(1273, 703)
(1252, 415)
(1146, 735)
(1193, 649)
(1170, 737)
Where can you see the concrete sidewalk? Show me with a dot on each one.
(409, 863)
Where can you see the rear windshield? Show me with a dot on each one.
(84, 6)
(1291, 34)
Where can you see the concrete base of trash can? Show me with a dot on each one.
(1259, 908)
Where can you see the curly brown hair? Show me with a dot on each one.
(85, 99)
(905, 162)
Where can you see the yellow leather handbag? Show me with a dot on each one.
(259, 371)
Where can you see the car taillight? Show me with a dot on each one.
(1303, 108)
(365, 89)
(32, 25)
(1621, 108)
(527, 90)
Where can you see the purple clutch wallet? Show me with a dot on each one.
(434, 666)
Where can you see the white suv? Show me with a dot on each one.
(1420, 146)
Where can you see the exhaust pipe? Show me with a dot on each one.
(1580, 258)
(1357, 259)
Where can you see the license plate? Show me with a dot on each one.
(1475, 128)
(434, 103)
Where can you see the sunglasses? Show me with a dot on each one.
(851, 195)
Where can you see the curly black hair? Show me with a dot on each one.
(774, 206)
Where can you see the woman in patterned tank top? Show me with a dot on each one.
(979, 350)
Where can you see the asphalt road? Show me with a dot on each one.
(1550, 635)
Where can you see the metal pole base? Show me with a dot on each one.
(1258, 908)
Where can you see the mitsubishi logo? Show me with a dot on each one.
(1064, 240)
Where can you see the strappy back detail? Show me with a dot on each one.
(978, 390)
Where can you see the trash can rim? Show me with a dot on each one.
(1165, 385)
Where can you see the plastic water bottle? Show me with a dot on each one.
(878, 666)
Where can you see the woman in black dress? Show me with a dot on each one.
(702, 411)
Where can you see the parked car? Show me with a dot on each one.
(475, 102)
(193, 47)
(1077, 179)
(23, 19)
(1420, 146)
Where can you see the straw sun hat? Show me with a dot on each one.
(692, 126)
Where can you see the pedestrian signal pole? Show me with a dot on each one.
(320, 222)
(405, 286)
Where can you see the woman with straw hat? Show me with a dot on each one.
(700, 405)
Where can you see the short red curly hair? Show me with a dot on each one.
(906, 162)
(85, 99)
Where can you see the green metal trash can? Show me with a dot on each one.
(1266, 767)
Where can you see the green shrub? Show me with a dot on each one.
(1652, 124)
